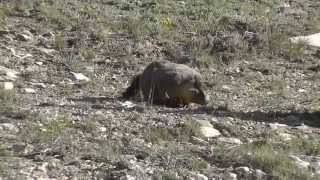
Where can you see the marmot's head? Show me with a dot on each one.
(197, 96)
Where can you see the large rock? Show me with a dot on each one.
(207, 130)
(197, 176)
(300, 163)
(8, 73)
(312, 40)
(6, 85)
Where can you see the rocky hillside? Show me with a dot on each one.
(64, 64)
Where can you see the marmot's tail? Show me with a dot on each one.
(133, 89)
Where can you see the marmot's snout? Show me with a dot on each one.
(200, 98)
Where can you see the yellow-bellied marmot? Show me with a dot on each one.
(170, 84)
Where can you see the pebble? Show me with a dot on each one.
(277, 125)
(80, 77)
(10, 73)
(230, 140)
(209, 132)
(197, 176)
(260, 174)
(127, 177)
(29, 90)
(8, 127)
(230, 176)
(300, 163)
(8, 86)
(243, 170)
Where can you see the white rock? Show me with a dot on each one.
(230, 176)
(230, 140)
(302, 127)
(260, 174)
(204, 123)
(226, 88)
(29, 90)
(39, 63)
(103, 129)
(127, 177)
(300, 163)
(8, 127)
(312, 40)
(277, 125)
(8, 86)
(209, 132)
(80, 77)
(23, 37)
(316, 166)
(10, 74)
(39, 85)
(46, 51)
(243, 170)
(128, 104)
(214, 119)
(285, 136)
(197, 176)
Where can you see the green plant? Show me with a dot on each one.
(60, 42)
(8, 101)
(275, 162)
(41, 129)
(3, 151)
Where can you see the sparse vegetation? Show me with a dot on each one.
(273, 161)
(253, 73)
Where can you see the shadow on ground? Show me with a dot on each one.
(292, 118)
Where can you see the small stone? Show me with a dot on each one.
(285, 136)
(316, 167)
(24, 36)
(48, 34)
(300, 163)
(39, 85)
(8, 127)
(230, 176)
(209, 132)
(302, 127)
(226, 88)
(230, 140)
(277, 125)
(204, 123)
(214, 119)
(8, 86)
(260, 174)
(197, 176)
(127, 177)
(39, 63)
(103, 129)
(245, 171)
(128, 104)
(46, 51)
(80, 77)
(10, 74)
(29, 90)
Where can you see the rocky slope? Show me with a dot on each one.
(64, 64)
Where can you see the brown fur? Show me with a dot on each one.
(169, 84)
